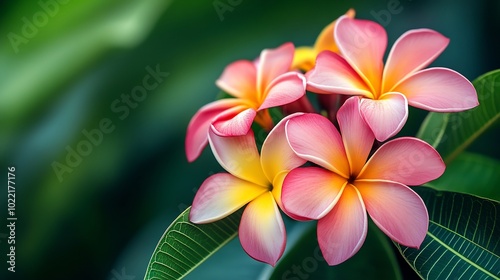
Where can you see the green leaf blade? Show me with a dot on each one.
(452, 133)
(185, 245)
(463, 238)
(471, 173)
(433, 128)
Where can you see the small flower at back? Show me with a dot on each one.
(387, 90)
(346, 185)
(256, 85)
(254, 181)
(305, 57)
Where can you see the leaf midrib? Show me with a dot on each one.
(457, 253)
(460, 235)
(471, 139)
(180, 220)
(182, 275)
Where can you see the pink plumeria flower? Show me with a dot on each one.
(254, 181)
(345, 186)
(388, 90)
(256, 85)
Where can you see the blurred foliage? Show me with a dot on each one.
(104, 218)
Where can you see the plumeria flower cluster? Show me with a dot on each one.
(338, 169)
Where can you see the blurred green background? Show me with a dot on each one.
(67, 66)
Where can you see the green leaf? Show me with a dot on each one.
(237, 265)
(185, 245)
(463, 237)
(303, 260)
(471, 173)
(451, 133)
(433, 128)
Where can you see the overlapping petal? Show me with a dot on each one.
(396, 209)
(413, 51)
(332, 74)
(311, 192)
(277, 159)
(362, 43)
(277, 191)
(220, 195)
(385, 116)
(342, 232)
(284, 89)
(197, 131)
(239, 156)
(235, 121)
(406, 160)
(325, 40)
(315, 139)
(439, 90)
(356, 134)
(271, 64)
(276, 155)
(239, 79)
(305, 57)
(262, 231)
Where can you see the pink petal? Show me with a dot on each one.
(220, 195)
(262, 231)
(356, 134)
(236, 121)
(276, 155)
(239, 156)
(314, 138)
(413, 51)
(284, 89)
(277, 190)
(311, 192)
(325, 40)
(271, 64)
(332, 74)
(406, 160)
(385, 116)
(362, 43)
(439, 90)
(197, 131)
(342, 232)
(239, 79)
(397, 210)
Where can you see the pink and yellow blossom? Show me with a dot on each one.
(347, 183)
(256, 86)
(253, 180)
(387, 90)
